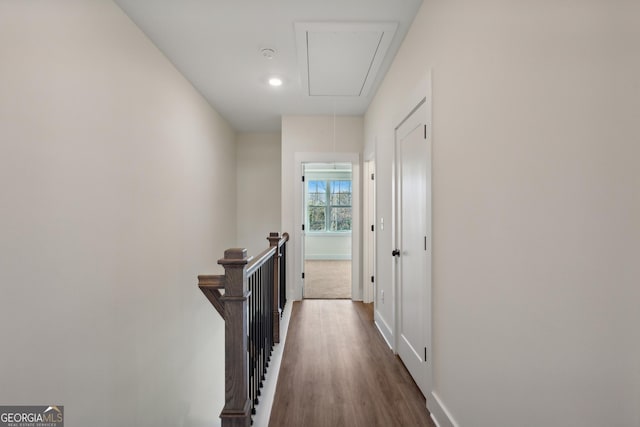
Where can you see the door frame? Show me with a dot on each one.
(369, 235)
(298, 217)
(421, 94)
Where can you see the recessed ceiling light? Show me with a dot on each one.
(275, 81)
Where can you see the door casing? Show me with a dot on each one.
(421, 94)
(298, 259)
(369, 234)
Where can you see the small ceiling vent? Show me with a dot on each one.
(341, 59)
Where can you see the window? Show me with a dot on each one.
(317, 205)
(329, 205)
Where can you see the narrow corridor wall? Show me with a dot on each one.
(536, 203)
(113, 176)
(312, 134)
(258, 185)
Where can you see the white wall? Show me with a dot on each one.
(536, 237)
(328, 246)
(113, 171)
(321, 135)
(258, 184)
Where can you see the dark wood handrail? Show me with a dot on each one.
(215, 281)
(256, 262)
(284, 239)
(211, 286)
(250, 297)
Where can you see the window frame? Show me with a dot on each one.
(328, 206)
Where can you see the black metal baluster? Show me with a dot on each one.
(255, 340)
(270, 302)
(260, 360)
(283, 277)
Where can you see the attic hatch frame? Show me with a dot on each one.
(386, 32)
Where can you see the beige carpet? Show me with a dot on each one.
(327, 279)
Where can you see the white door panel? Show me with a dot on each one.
(413, 241)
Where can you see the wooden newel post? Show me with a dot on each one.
(237, 407)
(274, 240)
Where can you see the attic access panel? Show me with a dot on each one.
(341, 59)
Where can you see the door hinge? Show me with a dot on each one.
(425, 243)
(302, 227)
(372, 228)
(425, 354)
(425, 131)
(303, 275)
(372, 279)
(372, 177)
(302, 178)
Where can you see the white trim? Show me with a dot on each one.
(368, 237)
(411, 99)
(388, 30)
(414, 100)
(327, 175)
(329, 233)
(384, 328)
(439, 412)
(298, 218)
(325, 257)
(263, 409)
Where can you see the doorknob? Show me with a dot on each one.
(395, 252)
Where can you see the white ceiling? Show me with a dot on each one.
(341, 59)
(216, 44)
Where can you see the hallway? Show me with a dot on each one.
(338, 371)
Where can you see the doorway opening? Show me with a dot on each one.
(328, 225)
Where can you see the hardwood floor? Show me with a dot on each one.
(338, 371)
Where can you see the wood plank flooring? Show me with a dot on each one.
(338, 371)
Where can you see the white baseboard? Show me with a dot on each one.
(328, 257)
(263, 409)
(439, 413)
(384, 328)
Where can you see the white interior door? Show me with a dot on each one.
(413, 243)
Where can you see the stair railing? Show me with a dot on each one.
(251, 306)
